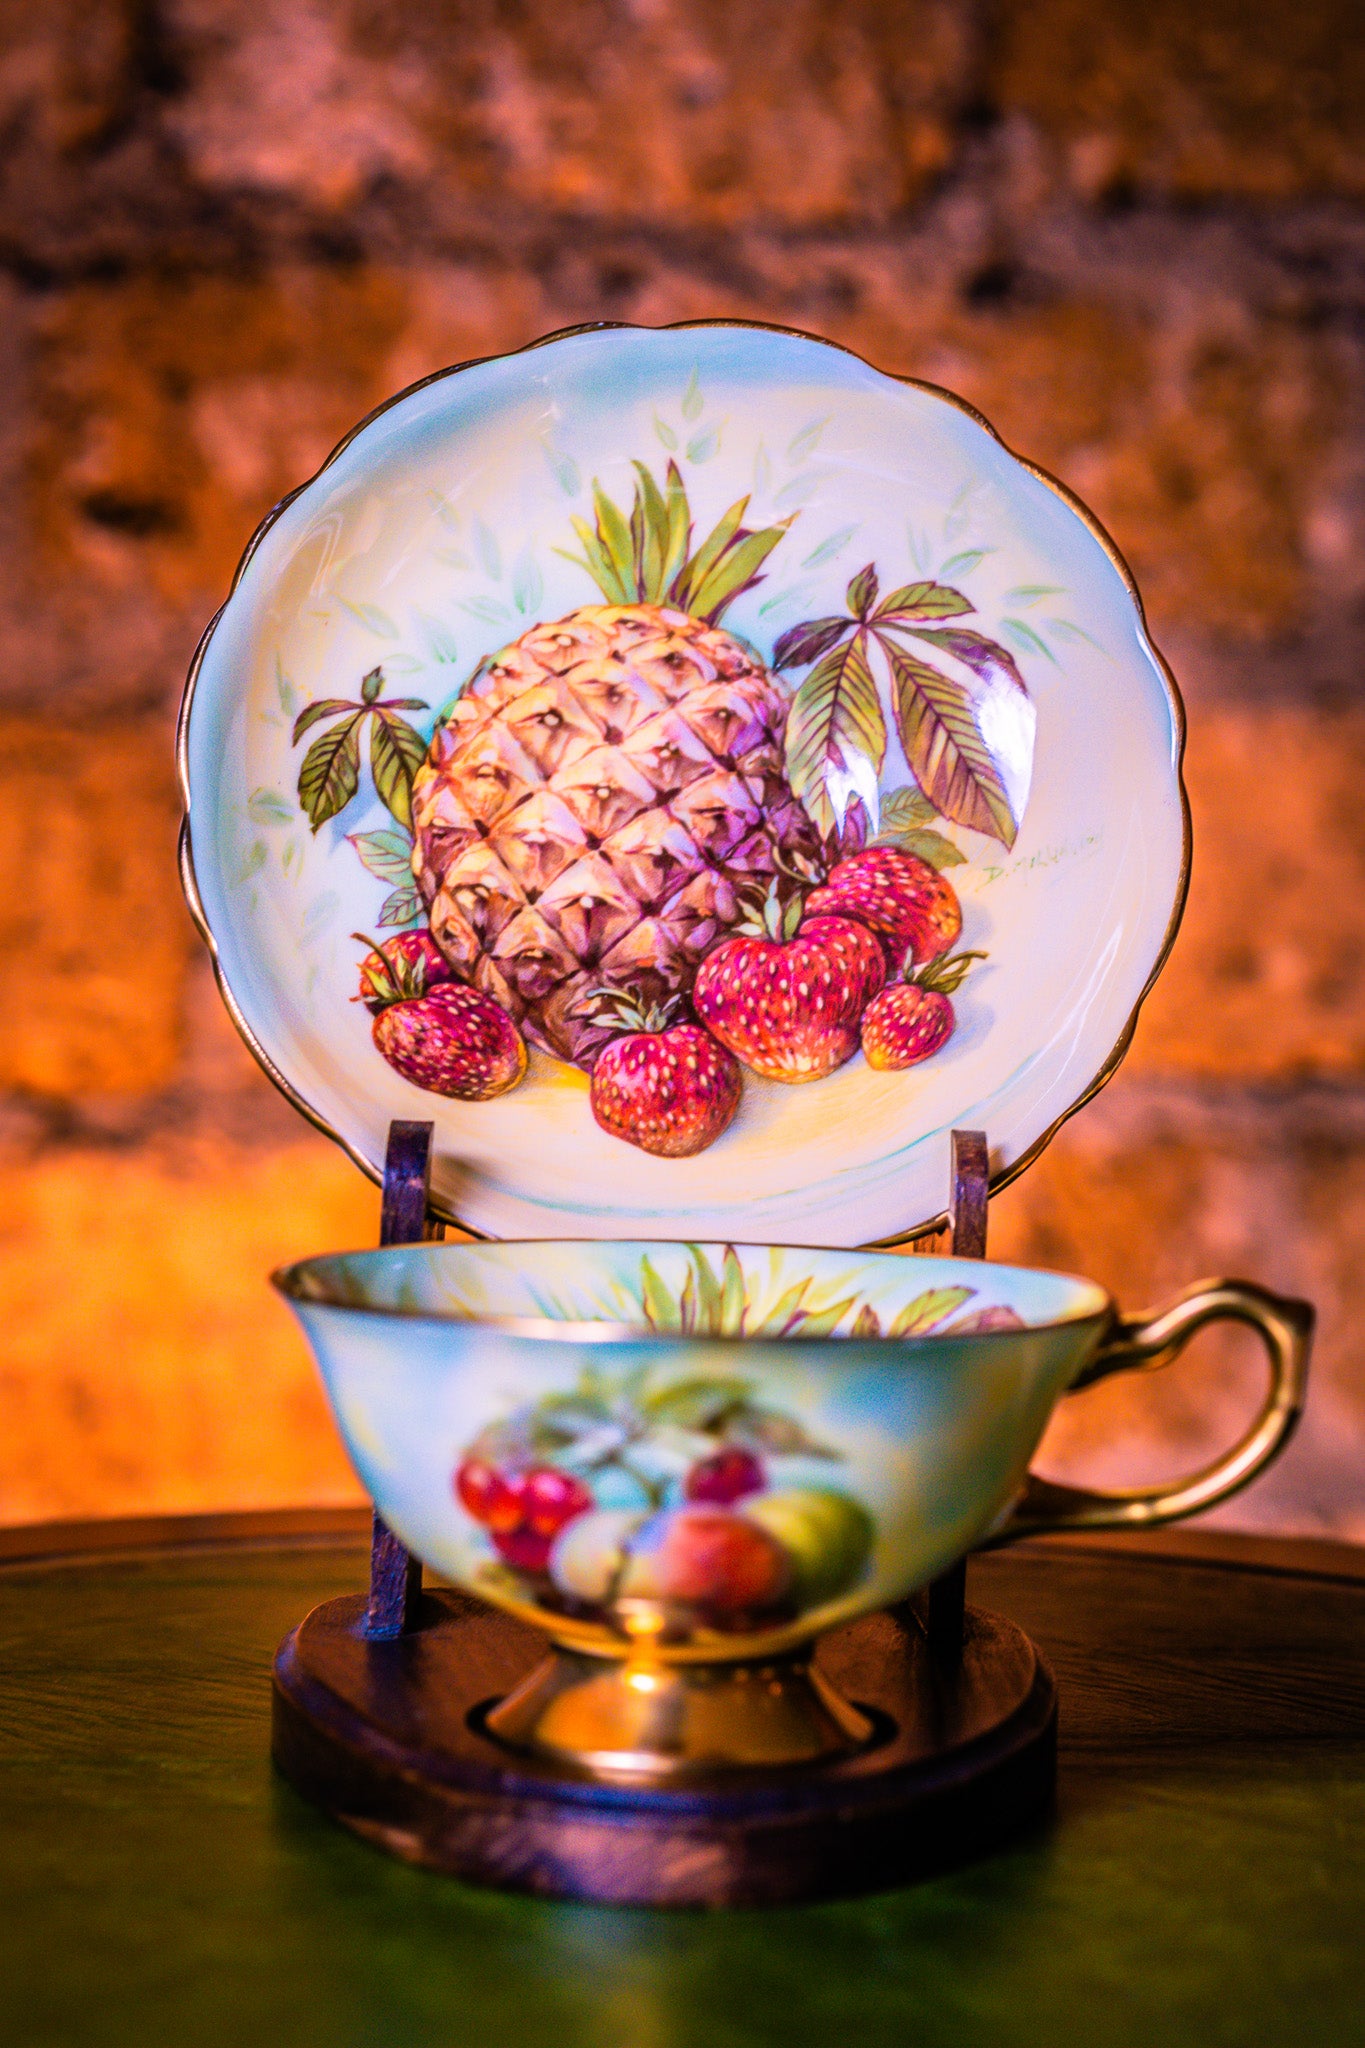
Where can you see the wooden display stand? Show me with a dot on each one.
(379, 1705)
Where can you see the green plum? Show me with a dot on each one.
(827, 1536)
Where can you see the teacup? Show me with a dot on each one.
(685, 1462)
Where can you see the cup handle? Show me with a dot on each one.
(1285, 1327)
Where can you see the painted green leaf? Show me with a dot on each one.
(404, 906)
(371, 616)
(1028, 594)
(803, 445)
(255, 860)
(326, 707)
(732, 1297)
(703, 446)
(805, 643)
(439, 638)
(796, 599)
(693, 1403)
(828, 549)
(786, 1312)
(737, 570)
(268, 807)
(799, 488)
(836, 712)
(945, 749)
(1024, 640)
(867, 1323)
(983, 656)
(402, 704)
(284, 690)
(694, 572)
(564, 470)
(708, 1293)
(665, 433)
(923, 601)
(679, 527)
(661, 1311)
(490, 554)
(769, 1429)
(320, 912)
(927, 846)
(820, 1322)
(488, 609)
(692, 400)
(862, 591)
(613, 537)
(903, 810)
(687, 1304)
(396, 753)
(528, 585)
(387, 854)
(371, 685)
(649, 532)
(928, 1310)
(330, 774)
(963, 564)
(1066, 630)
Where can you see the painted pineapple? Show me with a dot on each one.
(609, 785)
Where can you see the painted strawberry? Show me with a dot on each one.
(913, 1019)
(405, 950)
(910, 905)
(786, 995)
(664, 1086)
(438, 1034)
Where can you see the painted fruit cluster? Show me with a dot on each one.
(694, 1497)
(631, 844)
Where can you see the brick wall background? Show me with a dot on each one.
(1130, 230)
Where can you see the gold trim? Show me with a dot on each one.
(373, 1169)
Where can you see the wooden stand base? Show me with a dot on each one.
(389, 1737)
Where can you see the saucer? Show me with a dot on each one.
(698, 772)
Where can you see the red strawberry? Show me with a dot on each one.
(913, 1019)
(788, 1003)
(668, 1088)
(438, 1034)
(909, 905)
(406, 950)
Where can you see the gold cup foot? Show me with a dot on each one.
(652, 1719)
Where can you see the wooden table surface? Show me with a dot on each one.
(1202, 1881)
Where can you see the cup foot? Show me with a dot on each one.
(647, 1719)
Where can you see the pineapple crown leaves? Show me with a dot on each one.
(721, 1304)
(837, 720)
(943, 976)
(330, 773)
(645, 558)
(776, 916)
(393, 976)
(626, 1011)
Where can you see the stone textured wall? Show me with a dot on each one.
(1132, 233)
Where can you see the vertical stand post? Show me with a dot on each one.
(967, 1218)
(395, 1574)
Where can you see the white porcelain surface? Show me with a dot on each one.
(431, 540)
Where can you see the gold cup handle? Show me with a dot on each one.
(1286, 1328)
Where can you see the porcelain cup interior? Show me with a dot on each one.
(728, 1447)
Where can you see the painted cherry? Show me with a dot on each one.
(726, 1476)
